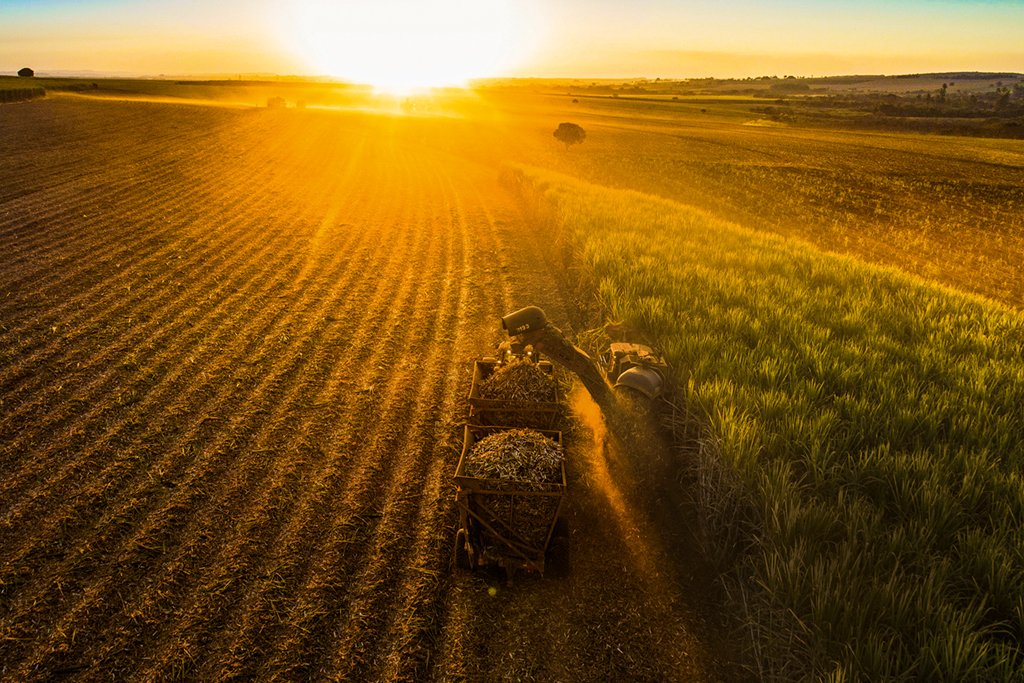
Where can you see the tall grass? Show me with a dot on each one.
(862, 441)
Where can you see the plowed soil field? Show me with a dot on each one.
(234, 351)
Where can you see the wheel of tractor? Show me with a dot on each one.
(461, 551)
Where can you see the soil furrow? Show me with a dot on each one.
(329, 380)
(148, 184)
(416, 615)
(393, 553)
(399, 254)
(82, 525)
(239, 299)
(184, 296)
(363, 482)
(179, 319)
(186, 231)
(242, 294)
(187, 629)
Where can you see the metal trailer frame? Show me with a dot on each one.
(485, 538)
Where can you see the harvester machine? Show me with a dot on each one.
(511, 523)
(633, 367)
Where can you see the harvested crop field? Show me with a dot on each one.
(234, 351)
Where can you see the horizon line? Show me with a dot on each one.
(256, 75)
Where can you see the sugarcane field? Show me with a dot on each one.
(545, 379)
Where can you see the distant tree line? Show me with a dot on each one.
(996, 112)
(1004, 100)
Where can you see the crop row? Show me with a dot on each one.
(949, 209)
(860, 450)
(217, 456)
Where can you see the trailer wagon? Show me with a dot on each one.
(504, 522)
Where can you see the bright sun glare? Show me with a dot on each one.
(400, 46)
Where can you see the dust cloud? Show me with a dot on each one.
(615, 469)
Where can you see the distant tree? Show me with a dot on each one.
(26, 72)
(275, 103)
(570, 134)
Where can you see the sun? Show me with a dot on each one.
(400, 46)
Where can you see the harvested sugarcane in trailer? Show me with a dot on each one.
(510, 479)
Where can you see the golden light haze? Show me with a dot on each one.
(403, 43)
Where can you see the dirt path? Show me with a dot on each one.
(234, 350)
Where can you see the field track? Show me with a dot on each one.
(234, 346)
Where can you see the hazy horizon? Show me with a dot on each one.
(397, 42)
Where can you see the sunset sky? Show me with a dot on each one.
(452, 40)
